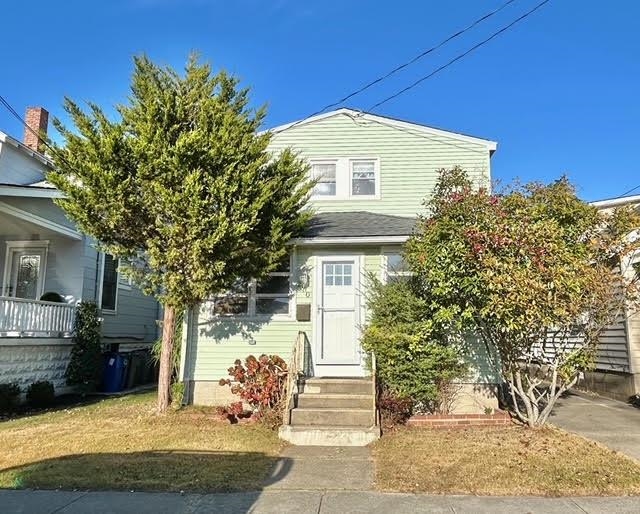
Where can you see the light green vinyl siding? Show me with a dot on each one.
(408, 160)
(216, 342)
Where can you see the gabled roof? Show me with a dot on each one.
(5, 138)
(616, 202)
(357, 226)
(391, 122)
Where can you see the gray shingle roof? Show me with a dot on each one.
(358, 224)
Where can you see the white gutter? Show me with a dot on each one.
(307, 241)
(5, 138)
(616, 202)
(30, 191)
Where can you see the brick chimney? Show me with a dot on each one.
(37, 120)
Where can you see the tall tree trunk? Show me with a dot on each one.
(166, 354)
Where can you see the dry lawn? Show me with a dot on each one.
(121, 444)
(501, 461)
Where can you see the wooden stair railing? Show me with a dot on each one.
(295, 368)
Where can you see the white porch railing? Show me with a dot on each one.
(34, 318)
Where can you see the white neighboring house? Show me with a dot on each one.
(47, 266)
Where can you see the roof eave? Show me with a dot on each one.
(5, 138)
(29, 191)
(349, 240)
(490, 145)
(616, 202)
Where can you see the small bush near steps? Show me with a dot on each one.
(259, 382)
(9, 396)
(394, 409)
(85, 364)
(41, 394)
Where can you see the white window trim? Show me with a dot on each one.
(334, 161)
(100, 287)
(41, 244)
(344, 178)
(385, 266)
(376, 175)
(252, 296)
(127, 283)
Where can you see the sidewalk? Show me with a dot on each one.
(296, 501)
(313, 480)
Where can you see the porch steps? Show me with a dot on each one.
(334, 401)
(332, 412)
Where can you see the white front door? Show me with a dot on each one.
(24, 272)
(338, 317)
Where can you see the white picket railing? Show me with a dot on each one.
(34, 318)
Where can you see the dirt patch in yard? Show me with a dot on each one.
(121, 443)
(501, 461)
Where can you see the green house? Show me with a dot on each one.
(374, 173)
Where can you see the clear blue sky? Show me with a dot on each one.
(560, 92)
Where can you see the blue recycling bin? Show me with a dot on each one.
(115, 372)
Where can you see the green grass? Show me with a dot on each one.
(501, 461)
(122, 444)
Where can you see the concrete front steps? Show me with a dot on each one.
(332, 412)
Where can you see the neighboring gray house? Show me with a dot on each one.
(617, 367)
(42, 253)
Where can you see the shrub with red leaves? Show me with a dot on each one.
(260, 383)
(394, 409)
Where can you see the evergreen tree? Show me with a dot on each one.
(181, 188)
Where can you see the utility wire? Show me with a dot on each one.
(630, 190)
(7, 105)
(413, 60)
(455, 59)
(401, 66)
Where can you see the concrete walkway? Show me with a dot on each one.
(612, 423)
(298, 502)
(323, 468)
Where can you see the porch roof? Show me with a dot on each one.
(357, 226)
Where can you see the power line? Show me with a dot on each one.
(455, 59)
(413, 60)
(358, 121)
(630, 190)
(7, 105)
(401, 66)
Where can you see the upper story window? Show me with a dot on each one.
(363, 178)
(325, 174)
(109, 283)
(346, 179)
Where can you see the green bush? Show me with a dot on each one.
(415, 359)
(41, 394)
(86, 362)
(9, 395)
(177, 395)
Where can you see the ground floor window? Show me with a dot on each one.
(396, 268)
(267, 297)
